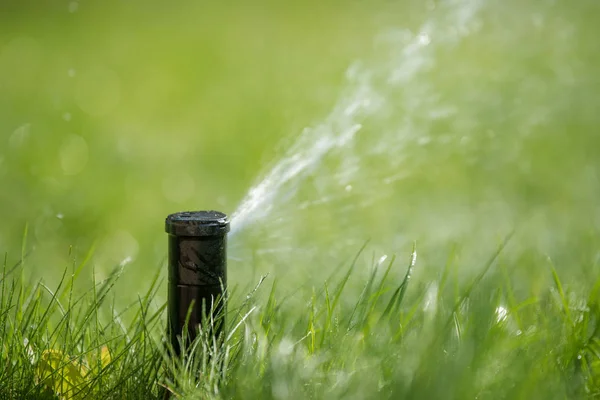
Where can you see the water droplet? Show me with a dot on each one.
(501, 314)
(126, 261)
(60, 215)
(349, 188)
(382, 260)
(424, 39)
(73, 155)
(67, 116)
(73, 6)
(71, 72)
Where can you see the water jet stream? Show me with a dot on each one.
(370, 90)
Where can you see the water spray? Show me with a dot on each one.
(197, 274)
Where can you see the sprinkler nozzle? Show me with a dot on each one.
(197, 273)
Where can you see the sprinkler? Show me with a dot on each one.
(197, 274)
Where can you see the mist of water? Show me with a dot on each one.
(387, 104)
(371, 91)
(448, 134)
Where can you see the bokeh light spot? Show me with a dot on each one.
(19, 136)
(73, 155)
(98, 91)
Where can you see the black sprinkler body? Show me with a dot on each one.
(197, 273)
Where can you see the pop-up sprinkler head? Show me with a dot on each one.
(197, 273)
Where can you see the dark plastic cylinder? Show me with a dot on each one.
(197, 273)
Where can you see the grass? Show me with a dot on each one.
(391, 339)
(56, 341)
(114, 114)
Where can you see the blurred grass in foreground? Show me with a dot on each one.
(393, 340)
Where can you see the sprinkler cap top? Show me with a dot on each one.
(197, 223)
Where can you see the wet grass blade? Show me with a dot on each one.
(400, 291)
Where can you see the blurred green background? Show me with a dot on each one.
(115, 113)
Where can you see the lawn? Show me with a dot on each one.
(413, 189)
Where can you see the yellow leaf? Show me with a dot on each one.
(99, 359)
(105, 356)
(65, 376)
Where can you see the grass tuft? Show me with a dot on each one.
(395, 339)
